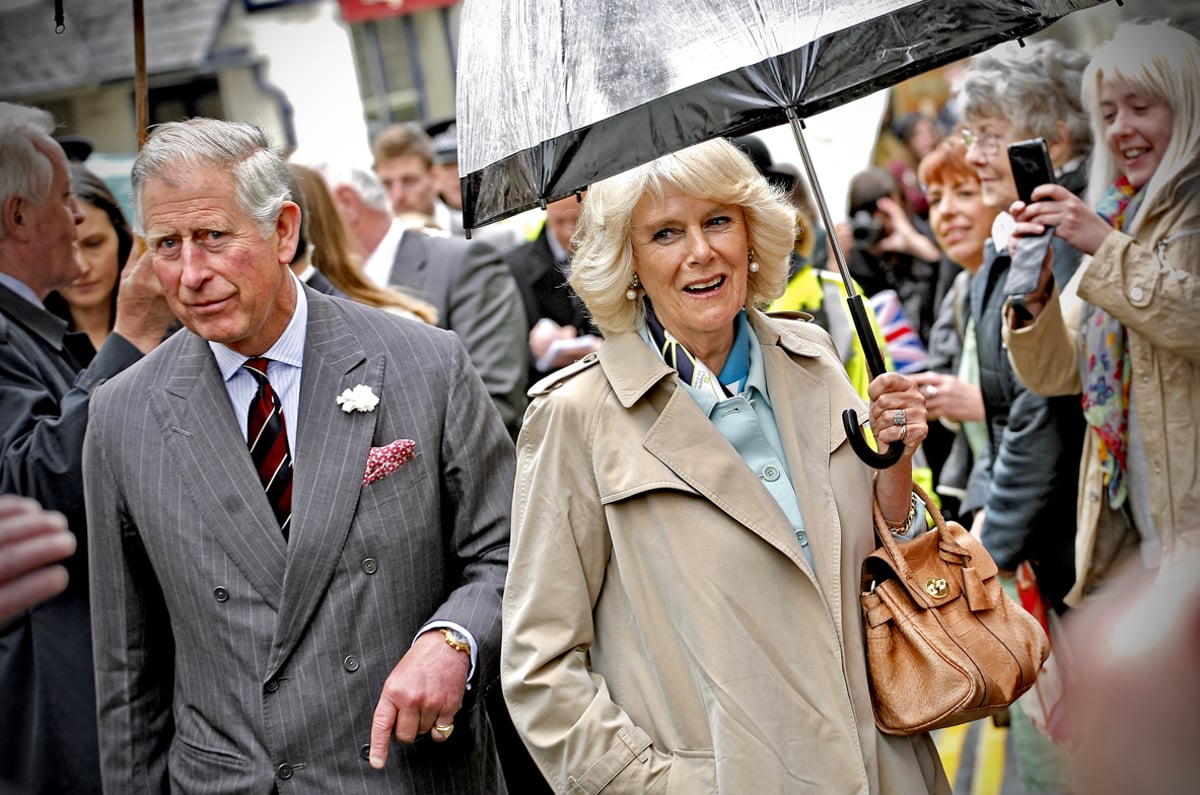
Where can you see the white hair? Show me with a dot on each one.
(260, 174)
(363, 181)
(24, 170)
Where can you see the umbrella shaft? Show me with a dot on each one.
(822, 207)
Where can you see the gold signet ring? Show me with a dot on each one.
(445, 731)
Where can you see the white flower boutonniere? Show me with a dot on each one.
(360, 398)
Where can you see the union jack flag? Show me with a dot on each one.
(903, 345)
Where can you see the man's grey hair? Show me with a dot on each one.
(178, 148)
(24, 171)
(1033, 87)
(362, 181)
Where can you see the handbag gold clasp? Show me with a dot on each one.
(937, 587)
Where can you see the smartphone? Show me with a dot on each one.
(1031, 166)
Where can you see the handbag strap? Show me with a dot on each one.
(888, 541)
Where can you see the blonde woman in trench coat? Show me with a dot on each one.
(681, 613)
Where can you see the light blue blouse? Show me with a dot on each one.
(747, 420)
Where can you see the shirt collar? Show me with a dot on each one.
(378, 265)
(556, 248)
(756, 375)
(288, 349)
(22, 289)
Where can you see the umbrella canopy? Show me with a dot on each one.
(556, 94)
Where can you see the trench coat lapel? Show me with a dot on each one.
(689, 445)
(203, 434)
(331, 455)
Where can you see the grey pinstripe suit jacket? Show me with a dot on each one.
(228, 661)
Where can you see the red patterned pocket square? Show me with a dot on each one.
(385, 460)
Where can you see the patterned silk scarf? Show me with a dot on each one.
(691, 370)
(1105, 364)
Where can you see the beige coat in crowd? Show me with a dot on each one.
(663, 631)
(1152, 285)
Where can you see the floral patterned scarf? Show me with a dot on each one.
(1105, 364)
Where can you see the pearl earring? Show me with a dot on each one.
(634, 284)
(753, 266)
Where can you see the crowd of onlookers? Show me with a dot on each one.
(1066, 433)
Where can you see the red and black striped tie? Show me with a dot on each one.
(267, 436)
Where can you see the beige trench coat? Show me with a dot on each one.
(663, 631)
(1152, 285)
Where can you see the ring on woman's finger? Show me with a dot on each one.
(930, 390)
(898, 418)
(445, 731)
(903, 432)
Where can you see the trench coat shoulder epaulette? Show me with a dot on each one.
(556, 379)
(790, 314)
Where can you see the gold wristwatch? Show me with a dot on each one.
(456, 640)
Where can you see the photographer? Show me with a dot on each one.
(889, 248)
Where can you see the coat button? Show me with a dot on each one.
(284, 771)
(221, 594)
(369, 565)
(365, 751)
(1137, 293)
(271, 686)
(350, 663)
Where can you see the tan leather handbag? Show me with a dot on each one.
(945, 644)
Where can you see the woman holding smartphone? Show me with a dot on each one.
(1122, 330)
(1028, 485)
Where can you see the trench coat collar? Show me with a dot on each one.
(632, 367)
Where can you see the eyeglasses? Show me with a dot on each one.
(989, 143)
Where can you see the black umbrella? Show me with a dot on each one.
(556, 94)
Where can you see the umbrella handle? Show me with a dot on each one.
(875, 364)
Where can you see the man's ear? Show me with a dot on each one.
(14, 218)
(287, 226)
(347, 201)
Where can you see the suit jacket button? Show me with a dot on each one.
(365, 751)
(350, 663)
(284, 771)
(369, 565)
(220, 594)
(271, 686)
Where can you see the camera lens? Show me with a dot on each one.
(865, 229)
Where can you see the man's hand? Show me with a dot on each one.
(143, 315)
(31, 540)
(424, 690)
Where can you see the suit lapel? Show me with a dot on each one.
(204, 437)
(408, 267)
(331, 456)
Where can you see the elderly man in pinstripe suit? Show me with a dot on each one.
(298, 511)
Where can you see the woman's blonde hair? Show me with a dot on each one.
(1152, 59)
(602, 266)
(331, 252)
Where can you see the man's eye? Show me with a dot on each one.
(167, 243)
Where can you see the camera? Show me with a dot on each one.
(866, 229)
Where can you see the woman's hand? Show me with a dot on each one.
(950, 397)
(897, 413)
(1072, 219)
